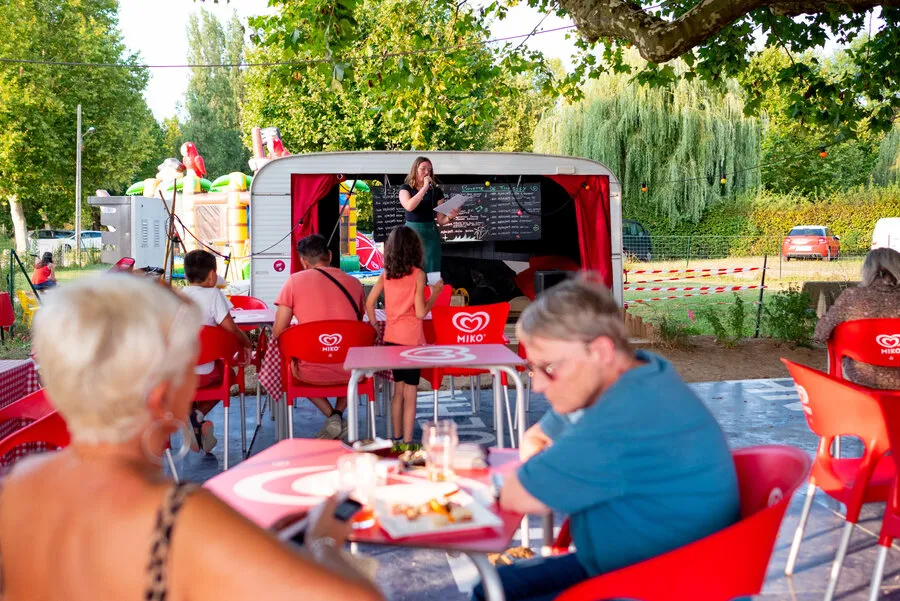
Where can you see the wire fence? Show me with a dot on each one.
(678, 278)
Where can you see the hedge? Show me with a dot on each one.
(756, 220)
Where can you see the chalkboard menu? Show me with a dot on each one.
(497, 211)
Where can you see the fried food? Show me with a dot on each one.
(440, 511)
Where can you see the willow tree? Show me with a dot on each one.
(669, 147)
(887, 169)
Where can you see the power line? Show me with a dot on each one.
(299, 63)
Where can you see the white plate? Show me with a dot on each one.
(397, 526)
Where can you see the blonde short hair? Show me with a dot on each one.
(578, 310)
(881, 264)
(104, 343)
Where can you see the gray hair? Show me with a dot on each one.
(881, 264)
(104, 343)
(578, 310)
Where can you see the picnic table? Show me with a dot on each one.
(297, 474)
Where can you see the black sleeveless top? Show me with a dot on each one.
(424, 213)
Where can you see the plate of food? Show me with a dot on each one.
(420, 509)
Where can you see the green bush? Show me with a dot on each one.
(673, 334)
(729, 332)
(789, 317)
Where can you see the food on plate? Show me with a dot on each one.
(440, 511)
(371, 445)
(412, 458)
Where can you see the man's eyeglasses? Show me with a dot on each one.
(547, 370)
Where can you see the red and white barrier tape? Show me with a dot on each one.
(714, 270)
(650, 300)
(687, 289)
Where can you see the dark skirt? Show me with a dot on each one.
(431, 243)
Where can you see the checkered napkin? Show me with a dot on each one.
(17, 379)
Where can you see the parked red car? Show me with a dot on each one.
(816, 241)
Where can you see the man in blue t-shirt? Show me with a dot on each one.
(627, 451)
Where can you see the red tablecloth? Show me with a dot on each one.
(17, 379)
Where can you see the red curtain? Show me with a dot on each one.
(591, 196)
(306, 192)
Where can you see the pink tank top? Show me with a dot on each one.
(402, 327)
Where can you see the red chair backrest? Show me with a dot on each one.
(324, 341)
(46, 434)
(123, 264)
(7, 315)
(216, 344)
(26, 410)
(767, 477)
(444, 296)
(872, 341)
(479, 324)
(247, 303)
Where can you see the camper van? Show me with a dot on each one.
(887, 233)
(526, 213)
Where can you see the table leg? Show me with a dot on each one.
(353, 406)
(520, 398)
(498, 407)
(490, 579)
(526, 533)
(389, 409)
(548, 534)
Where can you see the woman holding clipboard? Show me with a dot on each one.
(419, 196)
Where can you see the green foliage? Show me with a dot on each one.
(730, 332)
(422, 100)
(214, 95)
(519, 112)
(887, 169)
(364, 217)
(38, 106)
(791, 146)
(789, 317)
(679, 141)
(672, 333)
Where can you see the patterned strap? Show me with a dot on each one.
(157, 569)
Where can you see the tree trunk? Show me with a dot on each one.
(20, 228)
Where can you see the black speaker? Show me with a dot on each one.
(544, 280)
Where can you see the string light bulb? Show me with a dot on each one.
(487, 184)
(823, 153)
(644, 187)
(723, 180)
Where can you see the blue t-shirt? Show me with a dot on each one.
(642, 471)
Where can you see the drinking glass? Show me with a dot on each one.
(359, 480)
(439, 439)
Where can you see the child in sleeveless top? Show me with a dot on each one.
(403, 283)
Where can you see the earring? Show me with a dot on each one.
(187, 434)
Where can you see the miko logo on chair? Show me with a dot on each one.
(471, 326)
(330, 342)
(889, 343)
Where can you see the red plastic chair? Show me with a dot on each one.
(218, 345)
(871, 341)
(125, 264)
(890, 526)
(49, 433)
(768, 477)
(475, 324)
(837, 408)
(247, 303)
(324, 342)
(7, 315)
(23, 412)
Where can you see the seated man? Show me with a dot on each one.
(318, 293)
(628, 451)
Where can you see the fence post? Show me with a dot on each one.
(9, 278)
(762, 288)
(688, 263)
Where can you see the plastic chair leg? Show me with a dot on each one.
(171, 463)
(226, 407)
(243, 426)
(369, 404)
(435, 404)
(290, 421)
(472, 390)
(509, 417)
(801, 526)
(878, 574)
(839, 561)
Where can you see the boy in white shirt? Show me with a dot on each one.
(200, 272)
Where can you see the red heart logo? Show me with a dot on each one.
(471, 322)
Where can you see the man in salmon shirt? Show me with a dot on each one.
(319, 293)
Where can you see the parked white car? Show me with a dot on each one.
(887, 233)
(89, 239)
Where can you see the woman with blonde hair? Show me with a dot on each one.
(878, 295)
(419, 195)
(98, 520)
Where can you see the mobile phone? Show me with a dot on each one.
(296, 531)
